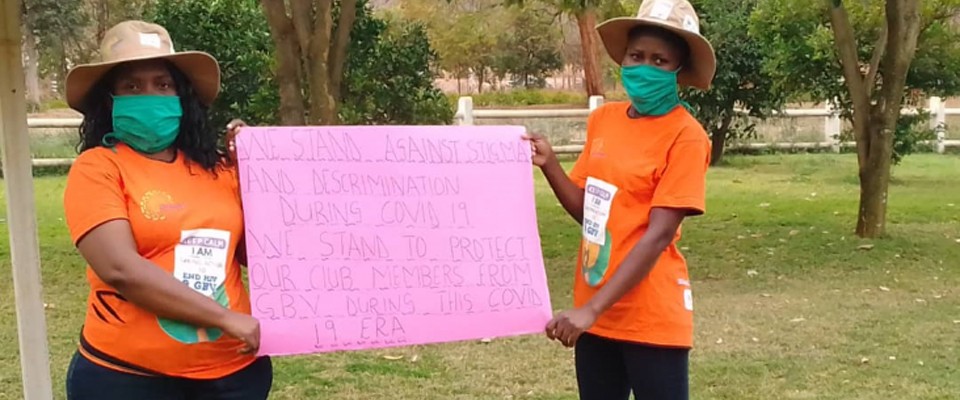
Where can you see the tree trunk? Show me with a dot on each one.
(288, 62)
(719, 139)
(323, 109)
(338, 53)
(593, 80)
(875, 124)
(874, 182)
(103, 19)
(31, 62)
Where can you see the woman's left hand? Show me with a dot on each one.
(233, 128)
(567, 326)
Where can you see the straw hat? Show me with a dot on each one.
(677, 16)
(138, 40)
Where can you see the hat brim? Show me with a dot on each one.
(201, 69)
(697, 73)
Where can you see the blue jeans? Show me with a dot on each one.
(86, 380)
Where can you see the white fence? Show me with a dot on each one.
(467, 115)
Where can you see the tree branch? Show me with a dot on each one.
(340, 43)
(878, 50)
(903, 21)
(846, 43)
(301, 12)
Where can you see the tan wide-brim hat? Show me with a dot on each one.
(135, 41)
(677, 16)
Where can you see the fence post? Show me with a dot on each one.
(938, 122)
(465, 110)
(595, 102)
(831, 127)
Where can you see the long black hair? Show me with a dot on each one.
(198, 142)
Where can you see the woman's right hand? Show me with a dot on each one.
(542, 150)
(243, 327)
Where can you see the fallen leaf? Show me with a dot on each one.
(719, 340)
(486, 340)
(415, 358)
(393, 358)
(921, 301)
(865, 247)
(794, 232)
(884, 288)
(920, 363)
(752, 272)
(684, 248)
(783, 240)
(765, 294)
(956, 321)
(755, 340)
(741, 237)
(814, 194)
(864, 360)
(764, 205)
(893, 358)
(801, 319)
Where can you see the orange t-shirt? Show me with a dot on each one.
(186, 221)
(627, 167)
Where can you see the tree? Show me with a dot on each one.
(585, 13)
(530, 50)
(245, 55)
(860, 54)
(387, 77)
(741, 80)
(47, 26)
(311, 50)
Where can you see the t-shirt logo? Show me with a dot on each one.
(156, 204)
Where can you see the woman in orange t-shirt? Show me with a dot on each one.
(153, 206)
(641, 172)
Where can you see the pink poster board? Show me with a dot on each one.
(371, 237)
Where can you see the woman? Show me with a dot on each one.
(642, 171)
(154, 207)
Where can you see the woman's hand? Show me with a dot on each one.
(542, 150)
(567, 326)
(243, 327)
(233, 128)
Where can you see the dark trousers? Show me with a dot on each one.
(86, 380)
(609, 370)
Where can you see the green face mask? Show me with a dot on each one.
(148, 124)
(652, 91)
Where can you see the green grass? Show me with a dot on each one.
(787, 305)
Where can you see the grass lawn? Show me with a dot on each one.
(789, 304)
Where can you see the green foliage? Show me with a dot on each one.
(529, 51)
(741, 80)
(388, 78)
(245, 54)
(54, 24)
(796, 36)
(526, 97)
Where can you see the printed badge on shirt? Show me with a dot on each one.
(596, 243)
(201, 259)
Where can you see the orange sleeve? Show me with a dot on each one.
(579, 172)
(94, 194)
(683, 182)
